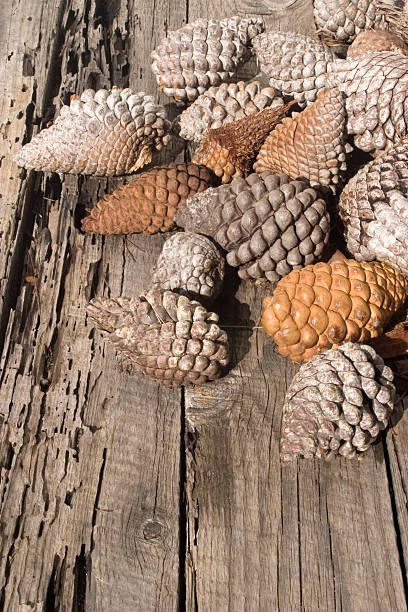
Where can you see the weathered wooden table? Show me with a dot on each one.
(116, 494)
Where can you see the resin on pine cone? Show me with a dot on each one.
(369, 41)
(148, 204)
(201, 54)
(229, 150)
(376, 88)
(344, 19)
(104, 133)
(310, 144)
(221, 105)
(374, 208)
(337, 404)
(191, 264)
(296, 64)
(327, 304)
(172, 339)
(268, 223)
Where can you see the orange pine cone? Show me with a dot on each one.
(325, 305)
(148, 204)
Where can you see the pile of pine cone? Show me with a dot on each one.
(258, 189)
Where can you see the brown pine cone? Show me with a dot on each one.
(170, 338)
(148, 204)
(311, 144)
(374, 208)
(344, 19)
(369, 41)
(229, 150)
(104, 133)
(190, 264)
(325, 305)
(201, 54)
(296, 64)
(337, 404)
(220, 105)
(376, 88)
(268, 223)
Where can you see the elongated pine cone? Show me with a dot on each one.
(201, 54)
(325, 305)
(104, 133)
(337, 404)
(191, 264)
(344, 19)
(369, 41)
(268, 223)
(172, 339)
(148, 204)
(296, 64)
(376, 88)
(229, 150)
(311, 144)
(374, 209)
(221, 105)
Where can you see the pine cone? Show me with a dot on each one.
(369, 41)
(220, 105)
(337, 404)
(311, 144)
(376, 88)
(268, 223)
(201, 54)
(191, 264)
(172, 339)
(229, 150)
(148, 204)
(295, 64)
(395, 14)
(104, 133)
(325, 305)
(374, 209)
(344, 19)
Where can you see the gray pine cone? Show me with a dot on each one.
(191, 264)
(344, 19)
(337, 404)
(201, 54)
(268, 223)
(296, 64)
(104, 133)
(224, 104)
(170, 338)
(374, 209)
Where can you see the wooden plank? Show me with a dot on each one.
(311, 536)
(90, 456)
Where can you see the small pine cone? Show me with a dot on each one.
(311, 144)
(344, 19)
(268, 223)
(172, 339)
(337, 404)
(201, 54)
(220, 105)
(229, 150)
(374, 209)
(295, 64)
(369, 41)
(104, 133)
(191, 264)
(148, 204)
(325, 305)
(376, 88)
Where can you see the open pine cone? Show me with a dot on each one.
(104, 133)
(201, 54)
(148, 204)
(344, 19)
(337, 404)
(369, 41)
(325, 305)
(170, 338)
(374, 208)
(268, 223)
